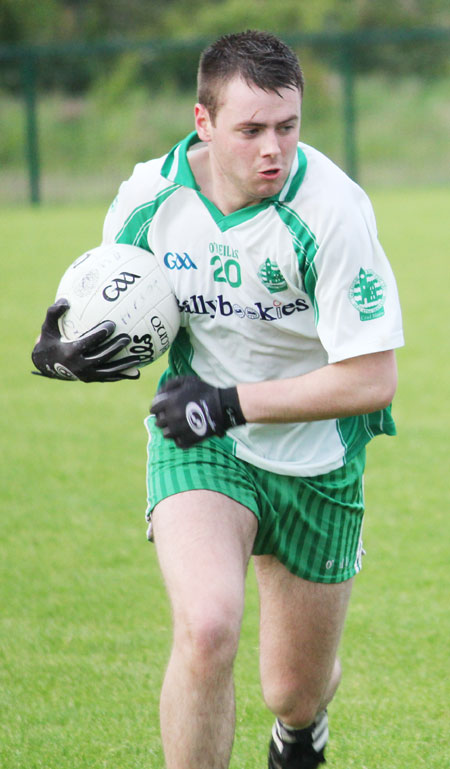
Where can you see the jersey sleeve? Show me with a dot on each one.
(130, 213)
(355, 294)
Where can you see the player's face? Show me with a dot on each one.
(252, 142)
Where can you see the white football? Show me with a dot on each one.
(127, 285)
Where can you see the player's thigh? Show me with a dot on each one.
(204, 541)
(300, 627)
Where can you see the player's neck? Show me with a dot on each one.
(214, 185)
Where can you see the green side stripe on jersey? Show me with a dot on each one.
(135, 228)
(306, 246)
(180, 355)
(356, 432)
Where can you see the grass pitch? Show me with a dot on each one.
(84, 626)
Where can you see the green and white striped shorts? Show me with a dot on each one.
(312, 525)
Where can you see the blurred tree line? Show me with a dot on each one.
(70, 22)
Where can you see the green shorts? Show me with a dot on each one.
(312, 525)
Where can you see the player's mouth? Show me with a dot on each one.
(270, 173)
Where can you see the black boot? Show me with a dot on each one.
(299, 748)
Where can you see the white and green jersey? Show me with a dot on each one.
(270, 291)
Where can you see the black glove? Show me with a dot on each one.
(86, 358)
(190, 410)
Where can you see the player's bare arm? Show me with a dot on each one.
(354, 386)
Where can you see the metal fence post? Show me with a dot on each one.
(29, 63)
(349, 109)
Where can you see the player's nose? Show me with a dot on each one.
(270, 144)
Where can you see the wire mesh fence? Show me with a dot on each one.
(74, 120)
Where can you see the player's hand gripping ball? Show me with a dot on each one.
(87, 358)
(114, 313)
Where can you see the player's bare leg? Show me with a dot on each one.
(301, 626)
(204, 542)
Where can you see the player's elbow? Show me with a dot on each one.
(384, 395)
(374, 383)
(383, 383)
(375, 396)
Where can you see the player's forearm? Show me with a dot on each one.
(354, 386)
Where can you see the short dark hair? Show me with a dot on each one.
(257, 57)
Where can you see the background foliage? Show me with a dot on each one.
(74, 21)
(69, 20)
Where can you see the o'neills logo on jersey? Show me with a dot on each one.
(223, 249)
(199, 305)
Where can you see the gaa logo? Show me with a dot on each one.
(367, 294)
(112, 292)
(179, 261)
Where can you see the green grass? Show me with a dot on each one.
(84, 625)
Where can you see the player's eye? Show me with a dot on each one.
(250, 131)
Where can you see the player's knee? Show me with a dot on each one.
(299, 712)
(208, 638)
(293, 703)
(297, 700)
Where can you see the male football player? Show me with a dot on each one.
(283, 370)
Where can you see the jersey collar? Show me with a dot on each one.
(176, 169)
(176, 166)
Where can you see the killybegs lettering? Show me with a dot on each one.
(198, 305)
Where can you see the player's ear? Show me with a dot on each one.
(202, 122)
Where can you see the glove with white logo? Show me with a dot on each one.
(87, 358)
(190, 410)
